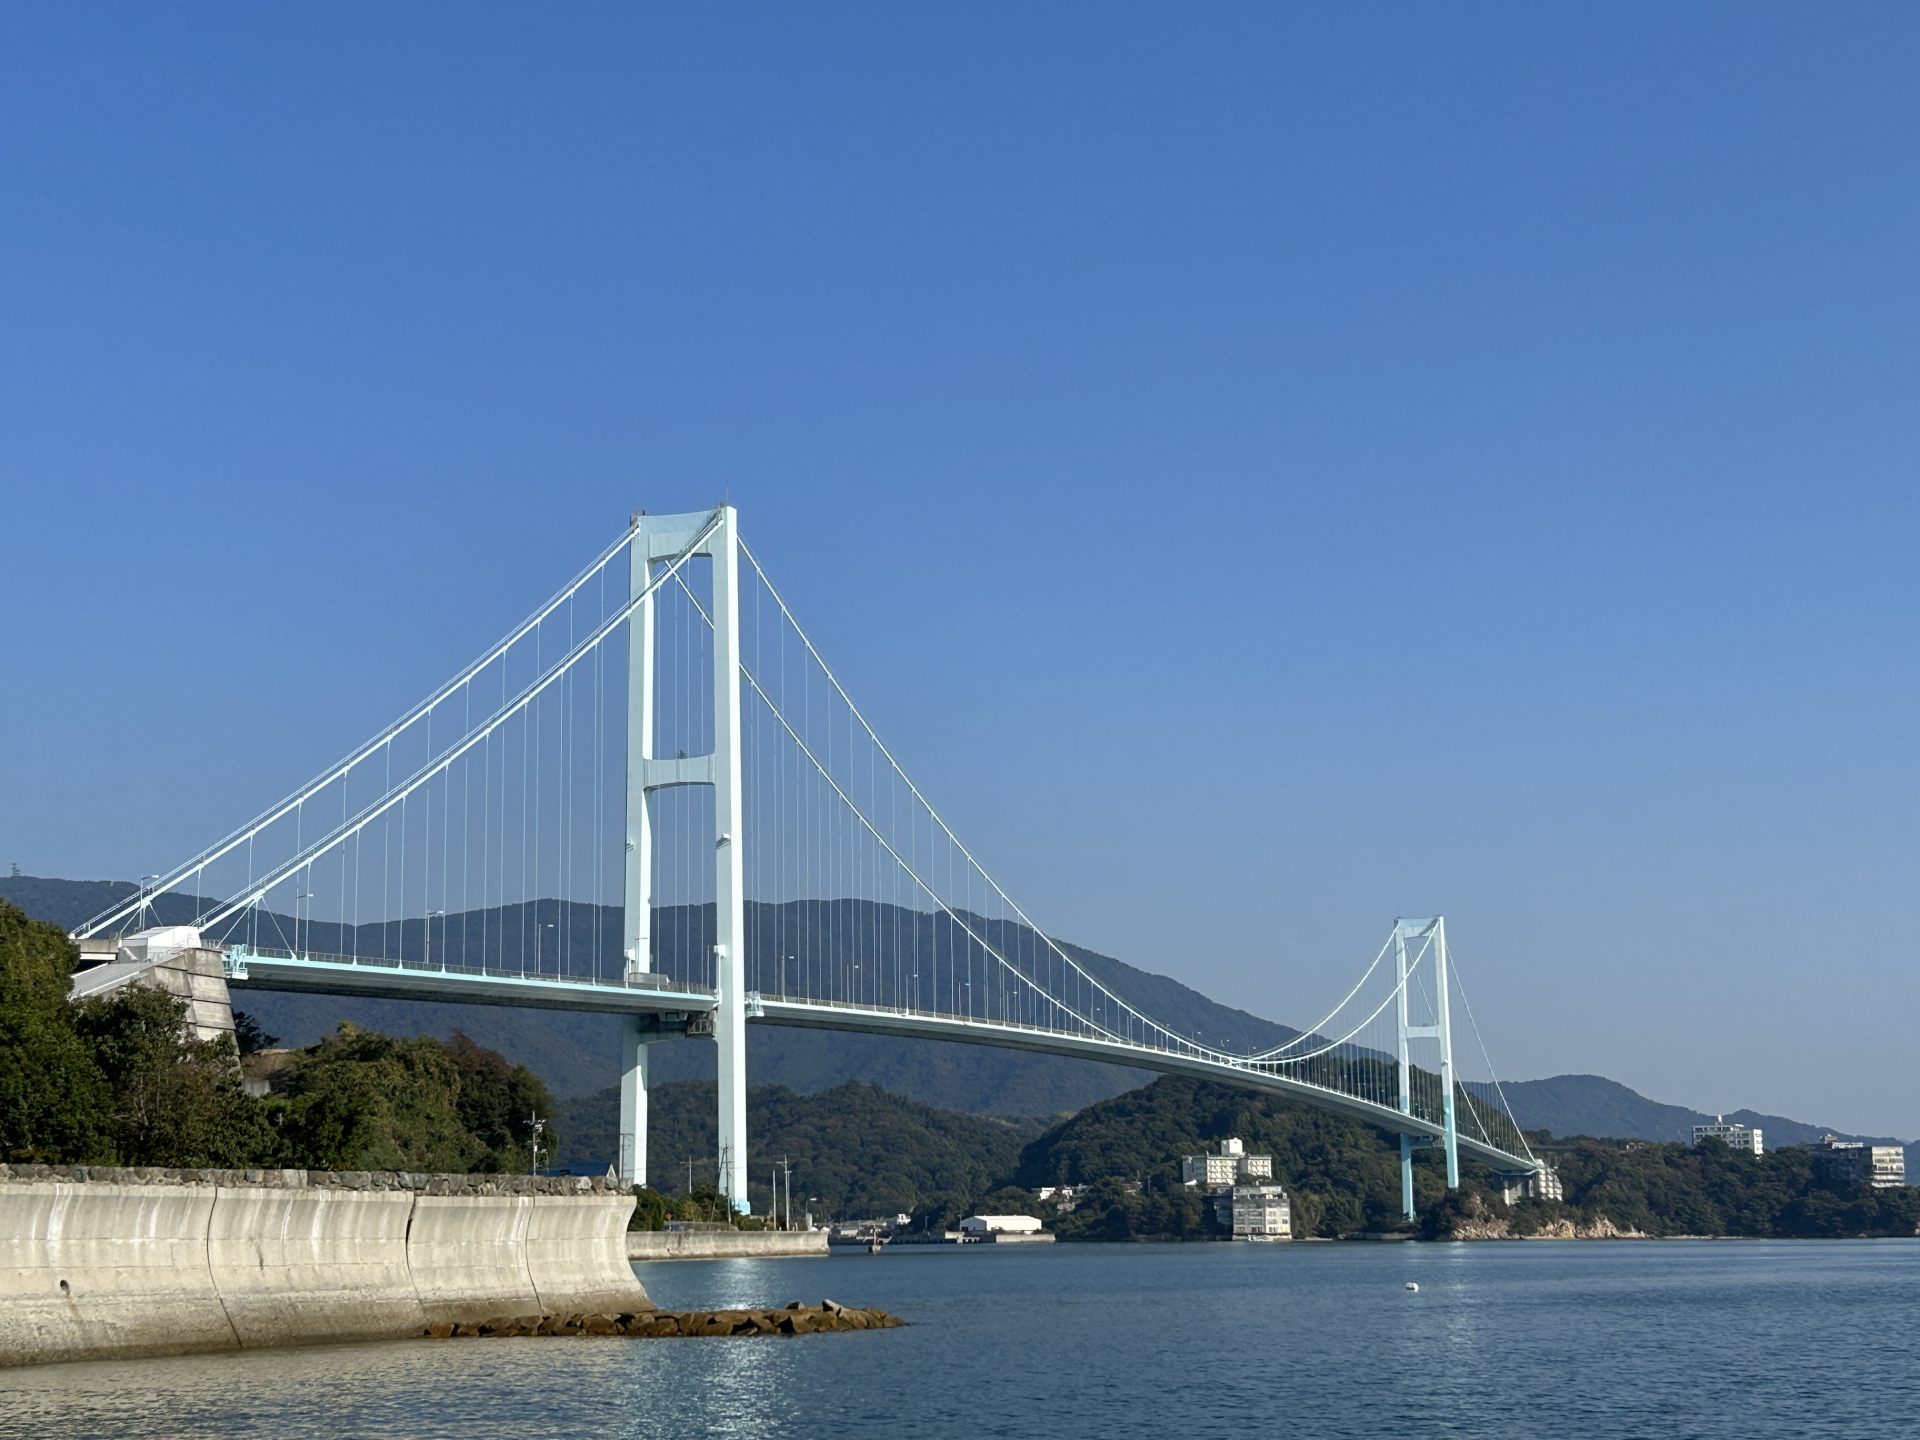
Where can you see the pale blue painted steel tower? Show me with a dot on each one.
(656, 538)
(1429, 936)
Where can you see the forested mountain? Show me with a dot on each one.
(865, 1153)
(1706, 1189)
(856, 1151)
(1343, 1176)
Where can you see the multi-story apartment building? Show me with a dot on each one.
(1739, 1137)
(1255, 1212)
(1882, 1166)
(1230, 1165)
(1542, 1184)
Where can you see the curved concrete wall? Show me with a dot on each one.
(469, 1256)
(577, 1254)
(122, 1263)
(296, 1265)
(107, 1270)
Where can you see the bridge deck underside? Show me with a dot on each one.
(382, 980)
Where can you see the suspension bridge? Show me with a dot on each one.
(662, 742)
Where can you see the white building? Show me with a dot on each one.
(1230, 1166)
(1255, 1212)
(1541, 1184)
(1739, 1137)
(1884, 1167)
(986, 1227)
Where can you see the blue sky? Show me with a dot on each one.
(1265, 469)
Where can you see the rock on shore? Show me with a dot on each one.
(796, 1319)
(1480, 1223)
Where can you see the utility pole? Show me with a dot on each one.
(539, 1127)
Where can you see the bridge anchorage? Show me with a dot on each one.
(654, 799)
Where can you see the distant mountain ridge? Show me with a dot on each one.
(1594, 1105)
(577, 1054)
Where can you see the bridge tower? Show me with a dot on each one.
(656, 538)
(1428, 937)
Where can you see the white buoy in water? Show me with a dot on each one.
(1413, 1285)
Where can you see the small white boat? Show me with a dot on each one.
(1413, 1285)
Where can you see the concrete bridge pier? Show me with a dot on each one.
(632, 1165)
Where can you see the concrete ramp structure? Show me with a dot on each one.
(104, 1263)
(173, 958)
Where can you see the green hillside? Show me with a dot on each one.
(1343, 1176)
(1709, 1189)
(859, 1150)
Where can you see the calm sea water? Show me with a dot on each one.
(1572, 1340)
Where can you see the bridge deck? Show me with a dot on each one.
(655, 994)
(261, 969)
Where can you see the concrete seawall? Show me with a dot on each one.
(302, 1264)
(723, 1244)
(468, 1258)
(577, 1252)
(98, 1263)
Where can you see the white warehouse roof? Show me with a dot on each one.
(998, 1224)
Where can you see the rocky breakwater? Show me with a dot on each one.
(98, 1263)
(825, 1318)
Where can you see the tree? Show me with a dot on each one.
(53, 1098)
(248, 1035)
(176, 1099)
(497, 1103)
(360, 1100)
(650, 1209)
